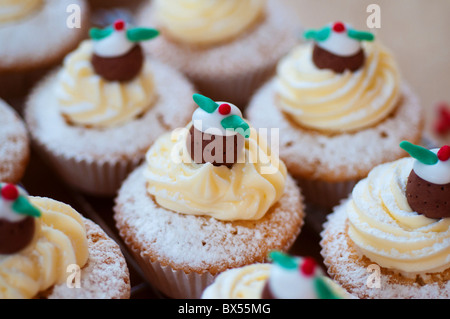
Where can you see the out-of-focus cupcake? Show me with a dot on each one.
(95, 118)
(391, 238)
(36, 35)
(14, 145)
(287, 277)
(210, 197)
(228, 48)
(48, 250)
(341, 107)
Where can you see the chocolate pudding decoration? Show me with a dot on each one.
(428, 186)
(218, 133)
(337, 47)
(17, 219)
(118, 56)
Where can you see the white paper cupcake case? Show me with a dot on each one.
(98, 178)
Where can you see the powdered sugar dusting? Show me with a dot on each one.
(263, 45)
(173, 108)
(195, 243)
(350, 270)
(105, 276)
(344, 156)
(14, 151)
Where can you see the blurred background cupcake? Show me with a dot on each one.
(187, 218)
(341, 107)
(228, 47)
(94, 118)
(36, 35)
(391, 238)
(50, 251)
(14, 145)
(286, 277)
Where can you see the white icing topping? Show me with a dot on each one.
(6, 211)
(339, 43)
(210, 122)
(438, 173)
(114, 45)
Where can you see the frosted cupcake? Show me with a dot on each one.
(391, 238)
(210, 197)
(341, 107)
(106, 106)
(48, 250)
(286, 277)
(228, 48)
(14, 145)
(35, 37)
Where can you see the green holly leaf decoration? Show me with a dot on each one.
(205, 103)
(23, 206)
(98, 34)
(318, 35)
(236, 123)
(420, 153)
(141, 34)
(283, 260)
(323, 290)
(360, 35)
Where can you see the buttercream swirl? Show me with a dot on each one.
(87, 99)
(207, 21)
(60, 240)
(239, 283)
(13, 10)
(244, 192)
(327, 101)
(387, 231)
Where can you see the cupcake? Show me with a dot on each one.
(14, 145)
(391, 238)
(331, 98)
(286, 277)
(49, 251)
(210, 197)
(228, 48)
(36, 35)
(106, 106)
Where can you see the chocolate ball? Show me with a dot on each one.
(266, 292)
(15, 236)
(324, 59)
(431, 200)
(122, 68)
(203, 148)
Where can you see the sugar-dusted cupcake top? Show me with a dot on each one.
(207, 172)
(207, 21)
(385, 227)
(341, 81)
(286, 278)
(39, 238)
(107, 80)
(13, 10)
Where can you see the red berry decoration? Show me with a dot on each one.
(10, 192)
(444, 153)
(339, 27)
(224, 109)
(308, 267)
(119, 25)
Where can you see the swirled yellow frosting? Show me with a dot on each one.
(60, 240)
(87, 99)
(13, 10)
(244, 192)
(327, 101)
(239, 283)
(207, 21)
(387, 231)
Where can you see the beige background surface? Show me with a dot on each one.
(417, 31)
